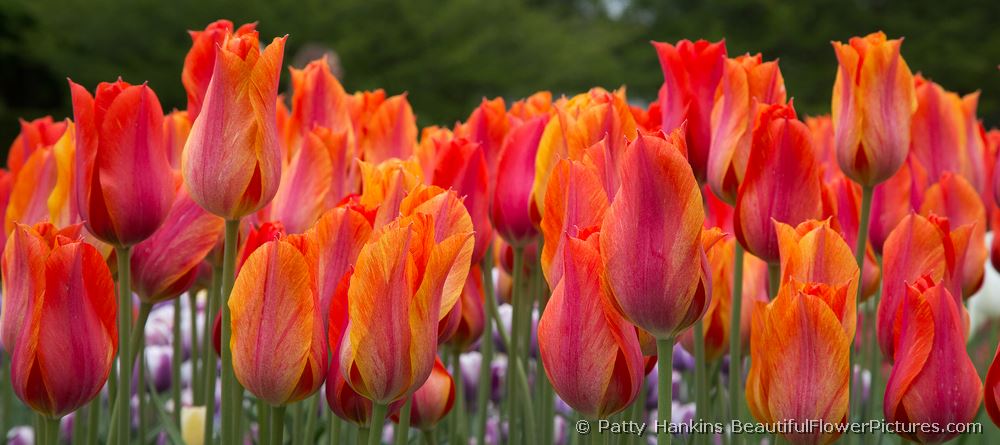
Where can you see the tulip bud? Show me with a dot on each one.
(433, 401)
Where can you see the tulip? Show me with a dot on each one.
(344, 169)
(342, 399)
(602, 375)
(176, 128)
(390, 131)
(747, 84)
(193, 424)
(810, 324)
(892, 201)
(279, 350)
(813, 252)
(41, 132)
(58, 320)
(930, 350)
(471, 317)
(847, 202)
(873, 103)
(532, 106)
(6, 186)
(919, 246)
(302, 192)
(199, 63)
(516, 169)
(42, 192)
(231, 161)
(955, 198)
(782, 182)
(385, 185)
(340, 234)
(167, 263)
(938, 133)
(992, 389)
(462, 166)
(433, 401)
(575, 202)
(487, 126)
(318, 100)
(119, 138)
(691, 74)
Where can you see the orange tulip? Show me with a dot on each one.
(278, 343)
(166, 264)
(873, 103)
(930, 346)
(662, 294)
(42, 191)
(847, 211)
(824, 145)
(602, 375)
(124, 185)
(343, 165)
(6, 185)
(782, 182)
(691, 74)
(487, 126)
(433, 401)
(512, 216)
(199, 63)
(385, 185)
(41, 132)
(462, 166)
(176, 128)
(575, 202)
(813, 252)
(747, 84)
(919, 246)
(58, 321)
(811, 327)
(302, 191)
(953, 197)
(339, 234)
(342, 399)
(318, 100)
(939, 132)
(402, 283)
(532, 106)
(232, 160)
(390, 131)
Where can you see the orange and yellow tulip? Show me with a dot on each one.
(199, 63)
(41, 132)
(602, 375)
(813, 252)
(956, 199)
(41, 191)
(930, 350)
(663, 294)
(339, 235)
(318, 100)
(691, 75)
(575, 202)
(278, 341)
(873, 104)
(389, 132)
(433, 401)
(176, 128)
(124, 184)
(232, 159)
(58, 321)
(782, 182)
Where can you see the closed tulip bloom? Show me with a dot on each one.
(301, 196)
(176, 128)
(167, 263)
(813, 252)
(433, 401)
(660, 294)
(938, 133)
(930, 348)
(575, 201)
(487, 126)
(390, 131)
(343, 400)
(343, 166)
(384, 186)
(873, 104)
(41, 191)
(691, 74)
(232, 160)
(58, 321)
(318, 100)
(955, 198)
(395, 297)
(41, 132)
(512, 203)
(782, 182)
(591, 354)
(461, 165)
(810, 325)
(278, 342)
(124, 185)
(747, 84)
(892, 201)
(199, 63)
(339, 235)
(918, 247)
(716, 323)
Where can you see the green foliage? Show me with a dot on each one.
(449, 54)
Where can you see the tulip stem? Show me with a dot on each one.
(486, 346)
(209, 363)
(93, 420)
(735, 342)
(264, 422)
(230, 410)
(700, 384)
(277, 418)
(50, 425)
(638, 413)
(124, 391)
(402, 434)
(311, 419)
(140, 387)
(860, 249)
(529, 412)
(195, 373)
(430, 436)
(664, 388)
(175, 363)
(5, 400)
(335, 426)
(379, 411)
(458, 419)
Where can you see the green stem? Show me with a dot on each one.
(209, 362)
(40, 430)
(735, 342)
(175, 362)
(79, 417)
(402, 435)
(297, 435)
(664, 388)
(124, 391)
(136, 341)
(529, 412)
(264, 422)
(379, 411)
(140, 390)
(93, 420)
(514, 351)
(700, 384)
(6, 403)
(229, 409)
(310, 418)
(639, 410)
(277, 425)
(458, 418)
(430, 436)
(51, 426)
(486, 346)
(195, 346)
(860, 249)
(335, 426)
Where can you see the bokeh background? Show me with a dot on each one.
(448, 54)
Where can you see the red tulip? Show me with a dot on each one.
(461, 165)
(691, 74)
(930, 350)
(992, 389)
(873, 103)
(124, 185)
(487, 126)
(892, 200)
(953, 197)
(591, 354)
(41, 132)
(199, 63)
(232, 160)
(512, 203)
(58, 320)
(782, 182)
(433, 401)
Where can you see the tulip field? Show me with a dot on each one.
(309, 266)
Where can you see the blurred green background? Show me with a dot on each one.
(449, 54)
